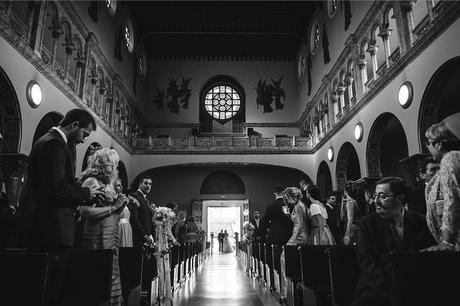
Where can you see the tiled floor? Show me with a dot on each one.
(221, 281)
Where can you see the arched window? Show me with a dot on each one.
(111, 6)
(393, 38)
(128, 34)
(315, 36)
(222, 101)
(51, 25)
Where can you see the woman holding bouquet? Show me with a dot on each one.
(99, 220)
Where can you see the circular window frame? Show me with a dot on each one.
(315, 25)
(208, 91)
(301, 65)
(410, 94)
(111, 7)
(31, 97)
(329, 6)
(129, 44)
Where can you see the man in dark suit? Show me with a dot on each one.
(258, 231)
(141, 217)
(303, 184)
(277, 221)
(333, 216)
(390, 228)
(51, 191)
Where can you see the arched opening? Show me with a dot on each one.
(123, 174)
(46, 123)
(347, 165)
(440, 98)
(92, 148)
(386, 146)
(324, 179)
(10, 116)
(222, 182)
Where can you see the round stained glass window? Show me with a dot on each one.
(222, 102)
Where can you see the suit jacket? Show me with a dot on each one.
(279, 223)
(374, 240)
(333, 220)
(51, 194)
(141, 220)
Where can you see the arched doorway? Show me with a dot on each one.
(386, 146)
(347, 167)
(10, 116)
(324, 179)
(46, 123)
(222, 182)
(123, 174)
(440, 98)
(92, 148)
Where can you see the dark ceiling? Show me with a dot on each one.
(228, 28)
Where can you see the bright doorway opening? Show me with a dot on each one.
(223, 215)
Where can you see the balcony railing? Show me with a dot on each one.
(217, 144)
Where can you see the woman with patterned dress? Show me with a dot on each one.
(125, 229)
(292, 197)
(320, 233)
(100, 221)
(442, 192)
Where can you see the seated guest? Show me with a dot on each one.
(320, 233)
(390, 228)
(192, 229)
(99, 228)
(442, 192)
(292, 197)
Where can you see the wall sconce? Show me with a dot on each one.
(330, 154)
(359, 132)
(405, 94)
(34, 94)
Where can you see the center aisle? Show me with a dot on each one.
(222, 282)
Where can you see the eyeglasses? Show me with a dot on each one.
(381, 196)
(430, 142)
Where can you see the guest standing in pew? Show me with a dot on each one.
(255, 221)
(52, 193)
(391, 228)
(100, 220)
(333, 213)
(293, 198)
(303, 187)
(351, 213)
(443, 191)
(277, 223)
(124, 226)
(320, 233)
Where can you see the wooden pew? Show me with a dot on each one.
(293, 274)
(262, 262)
(88, 272)
(131, 265)
(174, 260)
(344, 272)
(268, 265)
(255, 258)
(276, 254)
(315, 275)
(423, 279)
(25, 277)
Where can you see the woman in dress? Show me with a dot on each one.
(99, 220)
(320, 233)
(350, 214)
(125, 229)
(227, 245)
(442, 193)
(292, 197)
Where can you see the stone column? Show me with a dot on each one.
(336, 103)
(384, 34)
(403, 14)
(349, 84)
(340, 92)
(69, 47)
(362, 69)
(372, 49)
(56, 32)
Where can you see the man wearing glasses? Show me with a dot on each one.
(390, 228)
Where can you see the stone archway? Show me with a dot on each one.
(386, 146)
(222, 182)
(46, 123)
(10, 116)
(123, 174)
(324, 179)
(440, 98)
(347, 167)
(92, 148)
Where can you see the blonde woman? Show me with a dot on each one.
(99, 220)
(292, 197)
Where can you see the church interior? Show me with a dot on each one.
(220, 104)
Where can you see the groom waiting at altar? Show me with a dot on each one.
(220, 238)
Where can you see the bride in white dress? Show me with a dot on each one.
(227, 248)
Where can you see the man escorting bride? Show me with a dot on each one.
(227, 245)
